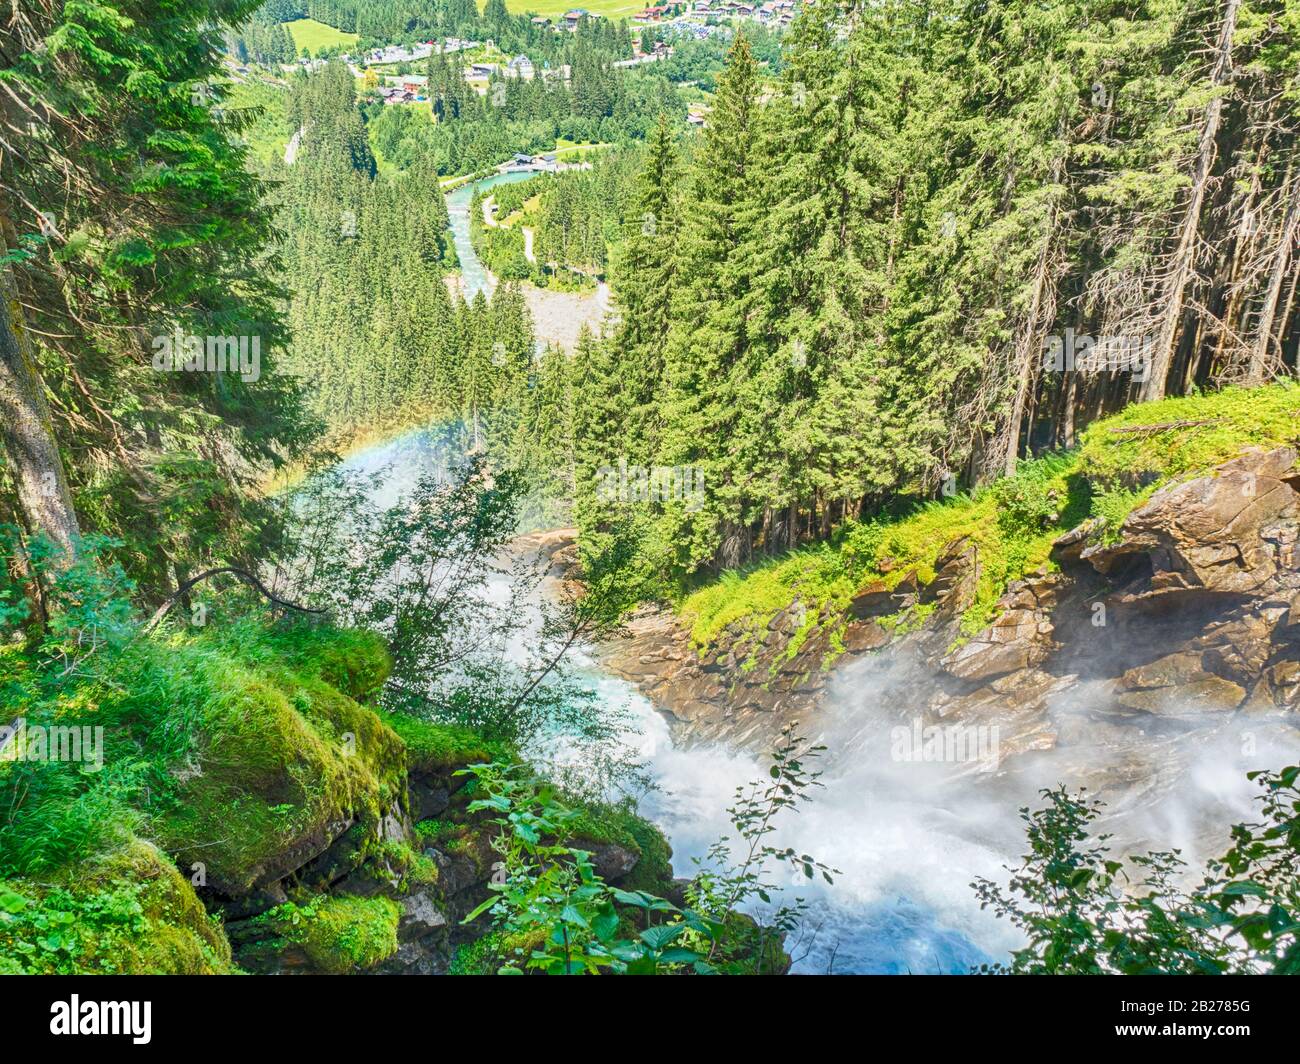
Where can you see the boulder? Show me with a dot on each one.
(1200, 694)
(1205, 534)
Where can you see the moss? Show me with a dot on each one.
(435, 831)
(414, 869)
(434, 747)
(128, 913)
(1010, 523)
(338, 934)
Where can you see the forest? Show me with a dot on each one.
(426, 643)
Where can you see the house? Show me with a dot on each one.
(540, 22)
(520, 67)
(481, 70)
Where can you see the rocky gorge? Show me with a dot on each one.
(1115, 665)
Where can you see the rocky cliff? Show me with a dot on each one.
(1118, 658)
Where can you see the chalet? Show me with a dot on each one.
(520, 67)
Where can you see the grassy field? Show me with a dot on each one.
(308, 33)
(551, 8)
(268, 135)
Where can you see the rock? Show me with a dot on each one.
(1204, 694)
(874, 600)
(1169, 671)
(612, 861)
(1284, 681)
(421, 916)
(429, 798)
(1205, 534)
(1017, 639)
(956, 578)
(1070, 546)
(859, 637)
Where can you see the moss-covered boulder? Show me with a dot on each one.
(127, 913)
(282, 766)
(321, 934)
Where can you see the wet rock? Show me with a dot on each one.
(1204, 693)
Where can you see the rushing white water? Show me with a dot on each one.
(902, 900)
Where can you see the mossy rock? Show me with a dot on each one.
(621, 826)
(128, 913)
(332, 935)
(283, 766)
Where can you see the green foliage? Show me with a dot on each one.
(339, 934)
(148, 222)
(129, 914)
(553, 913)
(1012, 522)
(1083, 913)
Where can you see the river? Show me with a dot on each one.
(474, 277)
(558, 316)
(902, 902)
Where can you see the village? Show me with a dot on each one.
(686, 19)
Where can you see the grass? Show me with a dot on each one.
(614, 9)
(267, 135)
(313, 35)
(1012, 522)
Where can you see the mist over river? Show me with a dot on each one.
(902, 901)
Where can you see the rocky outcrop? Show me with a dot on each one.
(1189, 618)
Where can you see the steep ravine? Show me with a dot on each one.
(1154, 671)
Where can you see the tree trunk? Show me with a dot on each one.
(1185, 253)
(1029, 345)
(1262, 349)
(27, 433)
